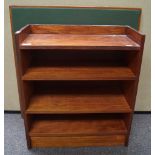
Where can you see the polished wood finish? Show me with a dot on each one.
(41, 41)
(78, 30)
(75, 131)
(105, 103)
(79, 73)
(19, 37)
(15, 44)
(68, 97)
(79, 37)
(77, 126)
(110, 140)
(78, 84)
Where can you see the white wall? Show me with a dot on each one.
(143, 96)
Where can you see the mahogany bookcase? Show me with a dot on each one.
(78, 83)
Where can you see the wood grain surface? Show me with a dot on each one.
(68, 72)
(79, 73)
(113, 140)
(70, 41)
(77, 127)
(105, 103)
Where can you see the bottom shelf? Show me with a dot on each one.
(77, 130)
(78, 141)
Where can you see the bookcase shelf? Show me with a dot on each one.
(85, 125)
(78, 83)
(59, 41)
(79, 73)
(105, 103)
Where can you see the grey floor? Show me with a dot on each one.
(139, 144)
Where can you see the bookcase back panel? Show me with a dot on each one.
(76, 58)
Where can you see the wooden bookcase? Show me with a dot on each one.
(78, 84)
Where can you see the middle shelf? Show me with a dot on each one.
(79, 73)
(47, 103)
(77, 65)
(68, 97)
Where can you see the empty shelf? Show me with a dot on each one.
(76, 103)
(78, 41)
(79, 73)
(77, 127)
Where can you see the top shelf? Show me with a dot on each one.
(79, 37)
(69, 41)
